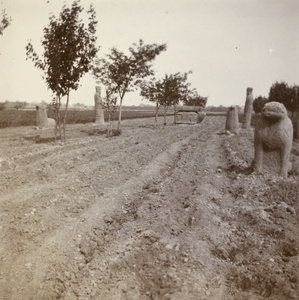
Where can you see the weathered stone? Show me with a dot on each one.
(248, 109)
(232, 120)
(200, 116)
(42, 120)
(273, 132)
(98, 106)
(189, 115)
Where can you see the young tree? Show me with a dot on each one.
(109, 104)
(195, 100)
(166, 92)
(4, 22)
(69, 49)
(152, 91)
(124, 73)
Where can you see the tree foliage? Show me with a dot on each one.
(69, 49)
(19, 105)
(259, 103)
(285, 94)
(123, 73)
(167, 92)
(5, 21)
(195, 100)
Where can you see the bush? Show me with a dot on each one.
(259, 103)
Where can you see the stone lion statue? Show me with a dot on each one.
(274, 131)
(42, 120)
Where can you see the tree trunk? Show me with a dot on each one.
(165, 111)
(65, 112)
(119, 115)
(109, 129)
(156, 116)
(58, 116)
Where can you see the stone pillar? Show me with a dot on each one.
(232, 120)
(98, 106)
(248, 109)
(41, 117)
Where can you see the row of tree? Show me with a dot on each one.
(70, 51)
(281, 92)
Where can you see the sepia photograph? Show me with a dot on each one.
(149, 149)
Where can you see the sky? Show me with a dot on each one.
(228, 44)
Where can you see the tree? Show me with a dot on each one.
(19, 105)
(152, 91)
(195, 100)
(166, 92)
(285, 94)
(69, 49)
(5, 21)
(122, 73)
(109, 104)
(259, 103)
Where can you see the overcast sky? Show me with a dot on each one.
(228, 44)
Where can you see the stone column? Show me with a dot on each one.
(41, 117)
(232, 120)
(98, 106)
(248, 109)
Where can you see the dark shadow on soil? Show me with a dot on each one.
(95, 132)
(39, 140)
(45, 140)
(150, 126)
(32, 138)
(98, 132)
(239, 170)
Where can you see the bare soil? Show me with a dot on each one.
(156, 213)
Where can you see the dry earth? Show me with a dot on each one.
(156, 213)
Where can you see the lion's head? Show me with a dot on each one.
(274, 110)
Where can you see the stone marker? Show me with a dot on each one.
(98, 106)
(273, 132)
(232, 120)
(248, 109)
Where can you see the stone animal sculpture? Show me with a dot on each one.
(274, 131)
(42, 120)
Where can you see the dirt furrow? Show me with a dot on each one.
(57, 235)
(164, 213)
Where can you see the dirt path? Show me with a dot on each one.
(165, 213)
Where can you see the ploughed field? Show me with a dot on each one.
(169, 212)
